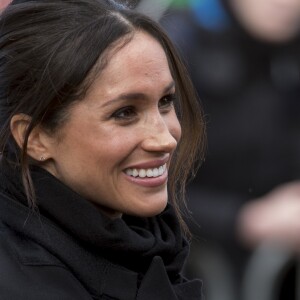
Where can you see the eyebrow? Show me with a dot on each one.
(135, 96)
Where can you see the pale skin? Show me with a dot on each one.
(273, 218)
(126, 121)
(270, 20)
(4, 3)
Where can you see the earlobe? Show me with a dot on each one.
(36, 145)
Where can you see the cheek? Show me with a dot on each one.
(111, 150)
(174, 126)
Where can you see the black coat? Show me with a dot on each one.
(68, 250)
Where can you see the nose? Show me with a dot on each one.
(160, 136)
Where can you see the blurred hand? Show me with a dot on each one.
(274, 217)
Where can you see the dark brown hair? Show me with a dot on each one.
(50, 53)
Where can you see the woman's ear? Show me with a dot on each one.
(37, 144)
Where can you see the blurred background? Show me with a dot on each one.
(244, 59)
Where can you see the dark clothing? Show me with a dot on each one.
(68, 250)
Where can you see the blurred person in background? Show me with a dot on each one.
(244, 58)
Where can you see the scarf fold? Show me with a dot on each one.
(89, 243)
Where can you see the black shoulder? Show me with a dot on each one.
(28, 271)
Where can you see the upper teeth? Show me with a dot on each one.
(155, 172)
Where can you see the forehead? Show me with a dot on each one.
(142, 56)
(142, 52)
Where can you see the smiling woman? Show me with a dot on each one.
(100, 130)
(109, 136)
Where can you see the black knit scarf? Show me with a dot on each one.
(76, 232)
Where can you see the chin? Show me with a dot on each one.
(151, 211)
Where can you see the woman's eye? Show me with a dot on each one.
(167, 101)
(124, 113)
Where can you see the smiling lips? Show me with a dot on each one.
(147, 173)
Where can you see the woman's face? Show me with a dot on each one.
(116, 146)
(272, 20)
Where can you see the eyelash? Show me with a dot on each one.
(169, 101)
(128, 113)
(128, 110)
